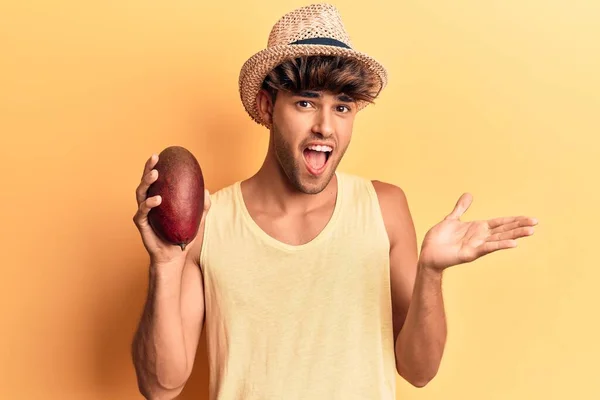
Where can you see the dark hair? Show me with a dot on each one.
(334, 74)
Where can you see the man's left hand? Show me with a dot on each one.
(453, 241)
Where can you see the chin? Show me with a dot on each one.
(302, 176)
(311, 188)
(311, 184)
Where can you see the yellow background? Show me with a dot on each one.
(498, 98)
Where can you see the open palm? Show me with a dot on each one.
(453, 241)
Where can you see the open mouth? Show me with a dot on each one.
(316, 157)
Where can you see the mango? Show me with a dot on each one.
(180, 184)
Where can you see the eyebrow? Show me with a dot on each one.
(345, 98)
(315, 95)
(308, 93)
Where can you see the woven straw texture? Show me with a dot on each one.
(313, 21)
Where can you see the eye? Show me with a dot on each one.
(303, 103)
(343, 109)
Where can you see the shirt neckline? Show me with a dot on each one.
(257, 230)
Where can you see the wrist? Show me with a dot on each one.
(166, 269)
(429, 270)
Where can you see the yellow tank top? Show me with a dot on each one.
(307, 322)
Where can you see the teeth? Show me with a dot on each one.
(320, 148)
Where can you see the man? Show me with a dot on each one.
(308, 279)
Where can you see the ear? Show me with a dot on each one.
(265, 106)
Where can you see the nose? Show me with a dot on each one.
(323, 124)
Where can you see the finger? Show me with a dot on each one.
(512, 234)
(522, 221)
(141, 217)
(150, 163)
(496, 222)
(490, 247)
(142, 190)
(463, 203)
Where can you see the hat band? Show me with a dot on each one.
(322, 41)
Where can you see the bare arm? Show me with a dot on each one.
(165, 344)
(417, 303)
(420, 344)
(418, 307)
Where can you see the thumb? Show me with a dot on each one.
(462, 205)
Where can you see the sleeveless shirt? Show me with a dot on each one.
(299, 322)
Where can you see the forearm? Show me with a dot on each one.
(158, 350)
(420, 343)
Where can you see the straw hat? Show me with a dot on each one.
(316, 29)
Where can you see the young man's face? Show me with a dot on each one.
(310, 134)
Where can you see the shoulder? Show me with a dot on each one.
(389, 193)
(220, 202)
(224, 193)
(394, 207)
(392, 198)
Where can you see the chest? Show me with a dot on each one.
(294, 229)
(345, 270)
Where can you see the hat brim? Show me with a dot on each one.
(256, 68)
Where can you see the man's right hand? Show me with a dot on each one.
(161, 252)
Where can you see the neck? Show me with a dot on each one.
(271, 188)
